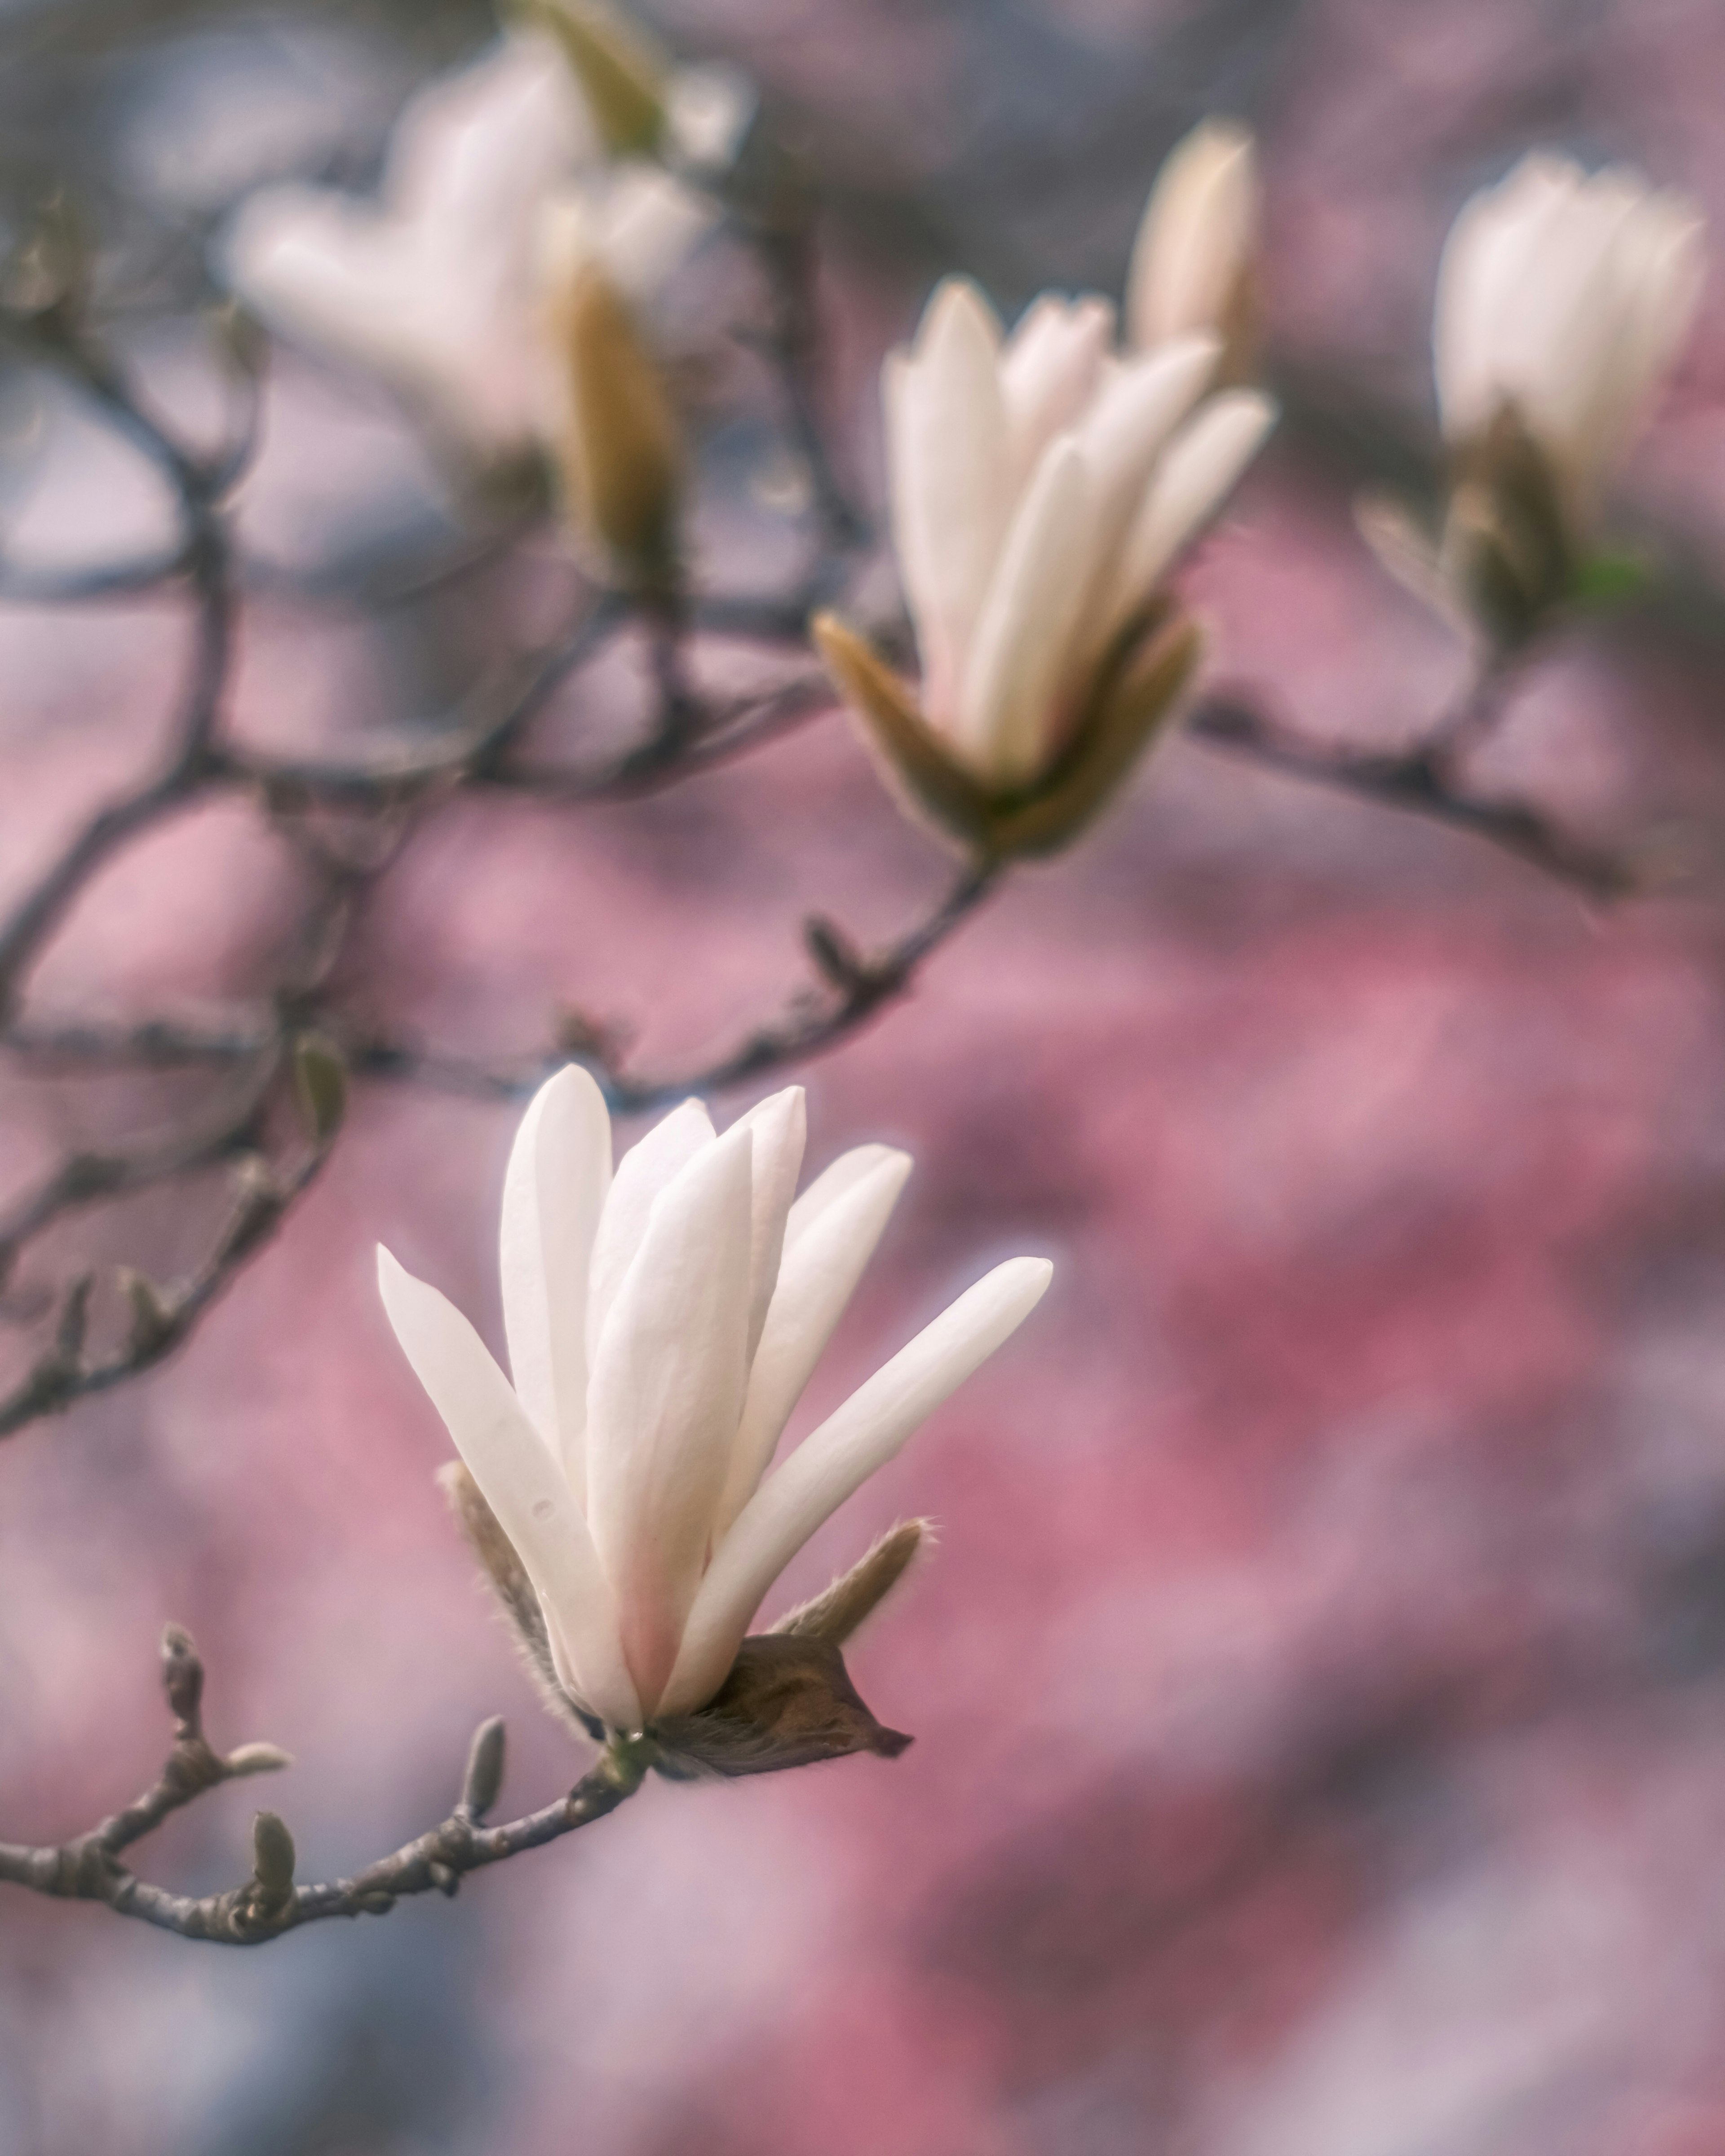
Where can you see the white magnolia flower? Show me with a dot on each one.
(662, 1323)
(1192, 261)
(1564, 298)
(1040, 490)
(435, 286)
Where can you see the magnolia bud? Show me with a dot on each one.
(1194, 260)
(320, 1083)
(272, 1857)
(181, 1675)
(622, 73)
(483, 1782)
(257, 1759)
(619, 451)
(154, 1321)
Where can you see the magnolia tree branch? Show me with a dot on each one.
(1424, 781)
(270, 1903)
(383, 800)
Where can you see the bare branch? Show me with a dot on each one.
(1421, 780)
(269, 1902)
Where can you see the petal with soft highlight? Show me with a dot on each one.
(839, 1456)
(519, 1481)
(817, 1278)
(666, 1394)
(554, 1193)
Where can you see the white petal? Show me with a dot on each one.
(832, 1184)
(1121, 440)
(519, 1481)
(647, 222)
(1196, 236)
(950, 486)
(1193, 479)
(1051, 370)
(559, 1172)
(653, 1160)
(779, 1127)
(821, 1269)
(708, 112)
(1497, 243)
(839, 1456)
(475, 152)
(1017, 695)
(666, 1396)
(1145, 400)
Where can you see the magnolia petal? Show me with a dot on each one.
(949, 482)
(478, 149)
(780, 1127)
(1015, 696)
(1196, 238)
(1191, 481)
(1483, 261)
(1121, 438)
(665, 1397)
(1050, 369)
(836, 1458)
(833, 1182)
(817, 1280)
(649, 1165)
(520, 1481)
(647, 222)
(553, 1197)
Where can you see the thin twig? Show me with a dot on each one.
(1419, 780)
(270, 1903)
(855, 987)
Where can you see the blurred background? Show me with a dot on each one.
(1320, 1685)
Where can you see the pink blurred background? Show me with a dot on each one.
(1319, 1687)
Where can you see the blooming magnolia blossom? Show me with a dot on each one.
(662, 1323)
(436, 287)
(1563, 298)
(1192, 261)
(1040, 490)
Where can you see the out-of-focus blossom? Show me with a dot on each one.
(618, 447)
(1192, 265)
(1561, 300)
(435, 287)
(662, 1323)
(1041, 489)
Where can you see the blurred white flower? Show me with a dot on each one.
(662, 1323)
(435, 286)
(1564, 298)
(1192, 262)
(1040, 490)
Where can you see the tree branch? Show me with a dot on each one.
(1420, 781)
(270, 1903)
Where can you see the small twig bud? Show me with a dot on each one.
(74, 1321)
(445, 1881)
(321, 1082)
(272, 1856)
(258, 1203)
(182, 1680)
(483, 1782)
(154, 1320)
(242, 336)
(836, 956)
(257, 1759)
